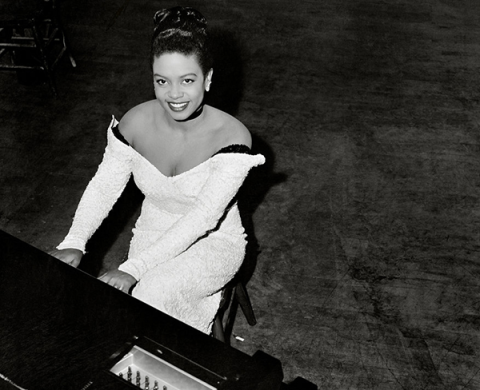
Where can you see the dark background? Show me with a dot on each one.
(367, 215)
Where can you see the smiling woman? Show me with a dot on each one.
(189, 159)
(180, 84)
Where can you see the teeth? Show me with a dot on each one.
(178, 107)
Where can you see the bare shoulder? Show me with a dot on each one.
(136, 119)
(240, 134)
(231, 130)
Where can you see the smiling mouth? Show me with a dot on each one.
(177, 107)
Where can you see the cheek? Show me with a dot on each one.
(157, 91)
(200, 92)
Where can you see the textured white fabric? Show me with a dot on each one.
(180, 269)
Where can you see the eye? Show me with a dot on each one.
(188, 81)
(161, 82)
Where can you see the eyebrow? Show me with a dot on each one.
(185, 75)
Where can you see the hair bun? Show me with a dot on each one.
(183, 20)
(181, 30)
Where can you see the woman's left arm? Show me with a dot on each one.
(228, 173)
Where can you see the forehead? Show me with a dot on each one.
(176, 64)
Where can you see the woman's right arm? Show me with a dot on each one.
(99, 197)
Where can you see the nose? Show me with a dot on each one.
(175, 92)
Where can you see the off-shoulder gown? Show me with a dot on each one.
(188, 241)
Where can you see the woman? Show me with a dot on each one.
(189, 160)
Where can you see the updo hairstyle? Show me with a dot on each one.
(181, 30)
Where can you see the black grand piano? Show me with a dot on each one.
(62, 329)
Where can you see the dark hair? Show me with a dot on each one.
(181, 30)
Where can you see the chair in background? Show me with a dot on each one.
(233, 295)
(32, 36)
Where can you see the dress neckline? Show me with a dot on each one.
(232, 148)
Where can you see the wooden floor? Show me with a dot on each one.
(367, 216)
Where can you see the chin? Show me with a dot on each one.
(180, 116)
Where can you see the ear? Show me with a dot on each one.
(208, 80)
(209, 75)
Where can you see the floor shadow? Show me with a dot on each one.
(228, 71)
(252, 193)
(299, 383)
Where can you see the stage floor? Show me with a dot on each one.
(367, 215)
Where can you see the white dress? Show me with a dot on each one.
(188, 241)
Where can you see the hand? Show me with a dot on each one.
(69, 256)
(118, 279)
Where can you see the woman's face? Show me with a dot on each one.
(179, 84)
